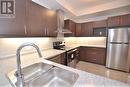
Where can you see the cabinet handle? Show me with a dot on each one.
(45, 31)
(94, 59)
(25, 29)
(94, 53)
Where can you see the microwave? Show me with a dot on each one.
(100, 32)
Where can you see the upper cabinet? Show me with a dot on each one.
(31, 20)
(70, 25)
(125, 20)
(35, 20)
(87, 29)
(100, 24)
(99, 28)
(78, 30)
(119, 21)
(15, 26)
(51, 23)
(41, 21)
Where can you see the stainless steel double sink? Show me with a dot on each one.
(45, 75)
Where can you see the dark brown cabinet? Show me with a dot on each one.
(87, 29)
(78, 30)
(119, 21)
(51, 23)
(93, 54)
(58, 59)
(70, 25)
(125, 20)
(35, 22)
(100, 28)
(31, 20)
(100, 24)
(15, 26)
(42, 22)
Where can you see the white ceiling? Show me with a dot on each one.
(85, 4)
(88, 10)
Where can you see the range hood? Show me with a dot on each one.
(60, 19)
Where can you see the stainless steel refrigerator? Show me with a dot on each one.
(118, 49)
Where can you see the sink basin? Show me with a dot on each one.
(55, 77)
(35, 70)
(45, 75)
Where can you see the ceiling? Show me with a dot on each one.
(86, 4)
(88, 10)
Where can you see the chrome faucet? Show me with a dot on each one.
(20, 79)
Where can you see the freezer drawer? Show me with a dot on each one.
(119, 35)
(117, 57)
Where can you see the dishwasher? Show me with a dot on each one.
(71, 58)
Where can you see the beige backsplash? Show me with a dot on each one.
(8, 47)
(91, 40)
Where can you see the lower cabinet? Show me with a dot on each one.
(93, 55)
(58, 59)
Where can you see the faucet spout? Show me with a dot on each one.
(20, 79)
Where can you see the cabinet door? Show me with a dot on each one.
(125, 20)
(35, 22)
(15, 26)
(78, 29)
(83, 56)
(59, 59)
(93, 55)
(114, 21)
(63, 60)
(83, 29)
(56, 59)
(51, 23)
(100, 24)
(87, 29)
(96, 55)
(70, 25)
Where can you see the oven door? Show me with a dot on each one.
(71, 55)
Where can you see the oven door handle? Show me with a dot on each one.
(71, 51)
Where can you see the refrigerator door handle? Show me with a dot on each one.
(118, 43)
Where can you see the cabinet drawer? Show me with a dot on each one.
(93, 54)
(96, 50)
(96, 58)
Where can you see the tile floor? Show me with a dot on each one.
(101, 70)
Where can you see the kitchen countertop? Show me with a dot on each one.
(85, 79)
(85, 45)
(53, 52)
